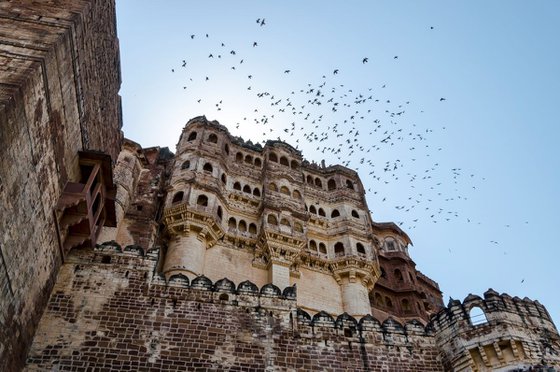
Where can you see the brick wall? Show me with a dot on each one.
(109, 311)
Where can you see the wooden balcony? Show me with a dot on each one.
(86, 206)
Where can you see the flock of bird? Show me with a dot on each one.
(361, 128)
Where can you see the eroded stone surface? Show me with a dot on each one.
(59, 79)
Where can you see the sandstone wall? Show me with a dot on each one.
(111, 311)
(59, 82)
(497, 333)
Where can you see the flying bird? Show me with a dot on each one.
(335, 72)
(365, 60)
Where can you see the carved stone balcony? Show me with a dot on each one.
(182, 218)
(355, 268)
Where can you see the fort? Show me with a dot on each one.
(225, 255)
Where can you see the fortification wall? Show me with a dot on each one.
(59, 82)
(496, 333)
(111, 311)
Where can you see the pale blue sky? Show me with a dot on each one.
(495, 63)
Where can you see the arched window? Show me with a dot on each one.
(318, 182)
(312, 245)
(239, 157)
(331, 184)
(355, 214)
(257, 192)
(339, 249)
(297, 227)
(242, 226)
(322, 248)
(294, 164)
(296, 194)
(272, 157)
(405, 304)
(398, 275)
(477, 316)
(271, 219)
(207, 167)
(388, 302)
(212, 138)
(378, 299)
(219, 212)
(258, 162)
(247, 189)
(335, 213)
(178, 197)
(226, 149)
(248, 159)
(237, 186)
(252, 228)
(272, 186)
(349, 185)
(312, 209)
(360, 248)
(186, 165)
(284, 161)
(285, 222)
(383, 273)
(309, 179)
(322, 212)
(202, 200)
(224, 178)
(284, 190)
(390, 244)
(411, 278)
(192, 137)
(232, 223)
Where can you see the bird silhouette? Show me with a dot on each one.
(365, 60)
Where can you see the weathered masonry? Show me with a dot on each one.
(233, 256)
(59, 117)
(225, 256)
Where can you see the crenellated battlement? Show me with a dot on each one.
(496, 332)
(497, 308)
(139, 315)
(225, 292)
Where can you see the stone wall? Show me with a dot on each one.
(111, 310)
(59, 82)
(497, 333)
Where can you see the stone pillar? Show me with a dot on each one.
(185, 255)
(355, 300)
(279, 274)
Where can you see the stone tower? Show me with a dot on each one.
(266, 213)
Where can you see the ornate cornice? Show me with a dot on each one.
(182, 219)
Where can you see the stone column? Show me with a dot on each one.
(185, 255)
(279, 274)
(355, 300)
